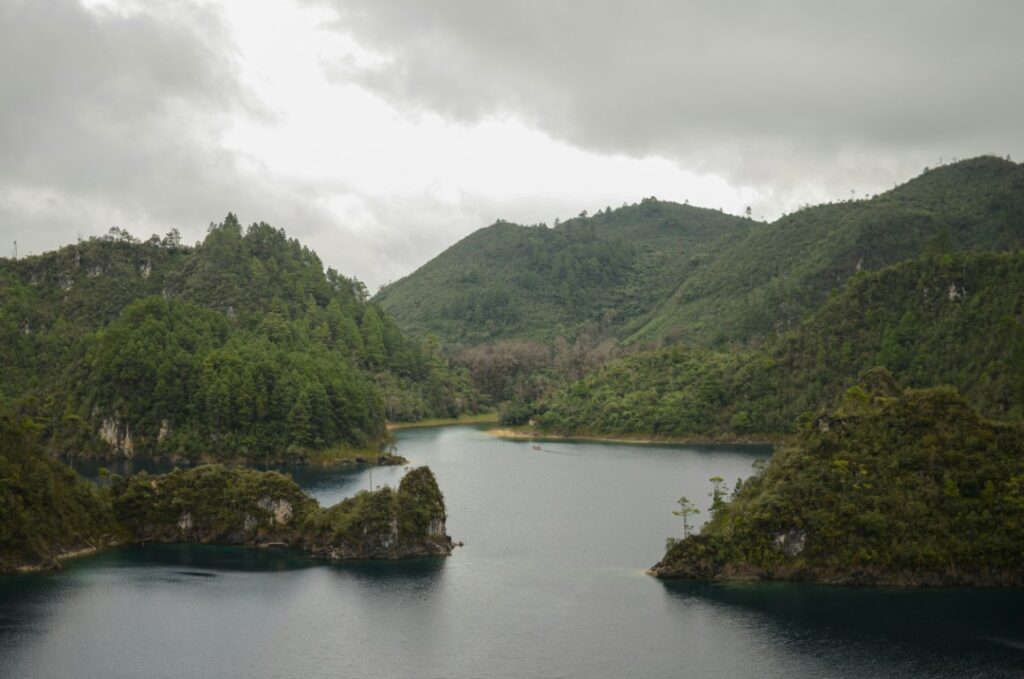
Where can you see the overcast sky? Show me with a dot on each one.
(379, 132)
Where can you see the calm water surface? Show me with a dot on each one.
(549, 584)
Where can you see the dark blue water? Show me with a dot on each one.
(549, 584)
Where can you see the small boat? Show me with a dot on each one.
(536, 447)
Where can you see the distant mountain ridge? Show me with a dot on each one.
(508, 281)
(658, 272)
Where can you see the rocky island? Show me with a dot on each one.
(51, 512)
(905, 488)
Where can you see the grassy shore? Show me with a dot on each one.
(529, 433)
(350, 455)
(479, 418)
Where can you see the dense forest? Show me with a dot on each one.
(728, 294)
(512, 282)
(900, 488)
(939, 319)
(240, 347)
(47, 508)
(766, 281)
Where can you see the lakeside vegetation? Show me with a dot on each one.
(895, 487)
(939, 319)
(478, 418)
(710, 282)
(239, 348)
(51, 512)
(48, 510)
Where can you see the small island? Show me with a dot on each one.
(903, 488)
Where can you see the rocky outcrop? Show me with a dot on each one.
(384, 524)
(118, 436)
(217, 504)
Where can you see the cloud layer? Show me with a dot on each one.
(751, 90)
(381, 131)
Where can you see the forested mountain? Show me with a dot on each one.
(508, 281)
(896, 488)
(240, 346)
(939, 319)
(660, 272)
(766, 281)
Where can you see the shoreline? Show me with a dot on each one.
(523, 434)
(58, 560)
(478, 418)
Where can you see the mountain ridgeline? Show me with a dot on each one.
(536, 283)
(658, 272)
(242, 347)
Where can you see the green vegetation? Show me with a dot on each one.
(241, 348)
(534, 283)
(217, 504)
(658, 271)
(50, 511)
(531, 309)
(478, 418)
(764, 282)
(939, 319)
(209, 503)
(47, 509)
(902, 488)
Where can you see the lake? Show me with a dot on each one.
(550, 583)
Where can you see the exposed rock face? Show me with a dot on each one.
(791, 542)
(280, 508)
(118, 436)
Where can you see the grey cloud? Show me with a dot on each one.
(114, 119)
(767, 94)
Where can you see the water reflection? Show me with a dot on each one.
(929, 631)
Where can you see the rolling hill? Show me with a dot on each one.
(657, 272)
(508, 281)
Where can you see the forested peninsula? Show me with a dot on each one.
(895, 487)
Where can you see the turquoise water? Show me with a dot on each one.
(550, 583)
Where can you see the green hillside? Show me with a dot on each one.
(911, 488)
(47, 509)
(940, 319)
(239, 347)
(659, 272)
(766, 281)
(532, 282)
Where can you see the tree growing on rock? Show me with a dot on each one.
(686, 510)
